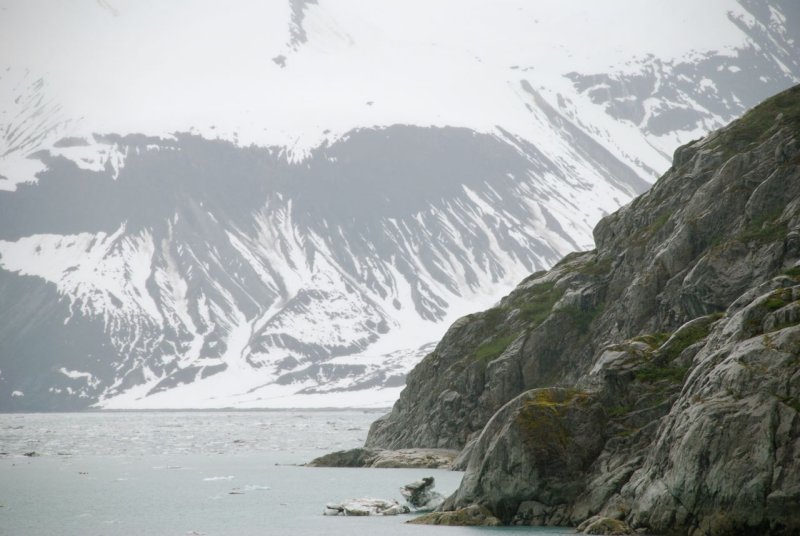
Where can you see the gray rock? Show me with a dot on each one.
(385, 459)
(358, 457)
(604, 525)
(470, 516)
(536, 448)
(415, 458)
(653, 381)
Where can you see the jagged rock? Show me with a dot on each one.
(469, 516)
(420, 494)
(604, 525)
(746, 384)
(538, 447)
(365, 507)
(461, 461)
(379, 458)
(655, 380)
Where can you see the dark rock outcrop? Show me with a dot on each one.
(387, 459)
(471, 516)
(654, 380)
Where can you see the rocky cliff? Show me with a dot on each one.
(654, 380)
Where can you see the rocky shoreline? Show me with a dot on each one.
(652, 384)
(388, 459)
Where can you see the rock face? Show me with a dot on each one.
(474, 515)
(654, 380)
(604, 525)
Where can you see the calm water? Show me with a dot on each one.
(192, 473)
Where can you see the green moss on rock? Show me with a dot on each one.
(541, 421)
(653, 340)
(535, 306)
(595, 268)
(653, 374)
(491, 350)
(756, 125)
(793, 272)
(764, 229)
(778, 299)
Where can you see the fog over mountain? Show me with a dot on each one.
(285, 205)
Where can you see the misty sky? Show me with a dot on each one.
(150, 66)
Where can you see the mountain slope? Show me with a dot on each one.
(297, 231)
(653, 380)
(200, 273)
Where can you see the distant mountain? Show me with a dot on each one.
(213, 265)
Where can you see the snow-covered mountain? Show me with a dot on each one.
(284, 205)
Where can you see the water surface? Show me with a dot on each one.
(196, 473)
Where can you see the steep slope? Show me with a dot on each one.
(655, 379)
(303, 217)
(188, 272)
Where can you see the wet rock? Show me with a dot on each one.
(604, 525)
(470, 516)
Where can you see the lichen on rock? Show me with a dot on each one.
(654, 381)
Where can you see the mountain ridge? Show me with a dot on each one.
(297, 244)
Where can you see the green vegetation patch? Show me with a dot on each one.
(791, 401)
(778, 299)
(764, 229)
(569, 257)
(754, 126)
(654, 373)
(596, 268)
(783, 325)
(535, 306)
(581, 319)
(793, 272)
(619, 411)
(654, 340)
(648, 232)
(684, 338)
(491, 350)
(541, 422)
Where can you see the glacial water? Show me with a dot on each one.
(196, 473)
